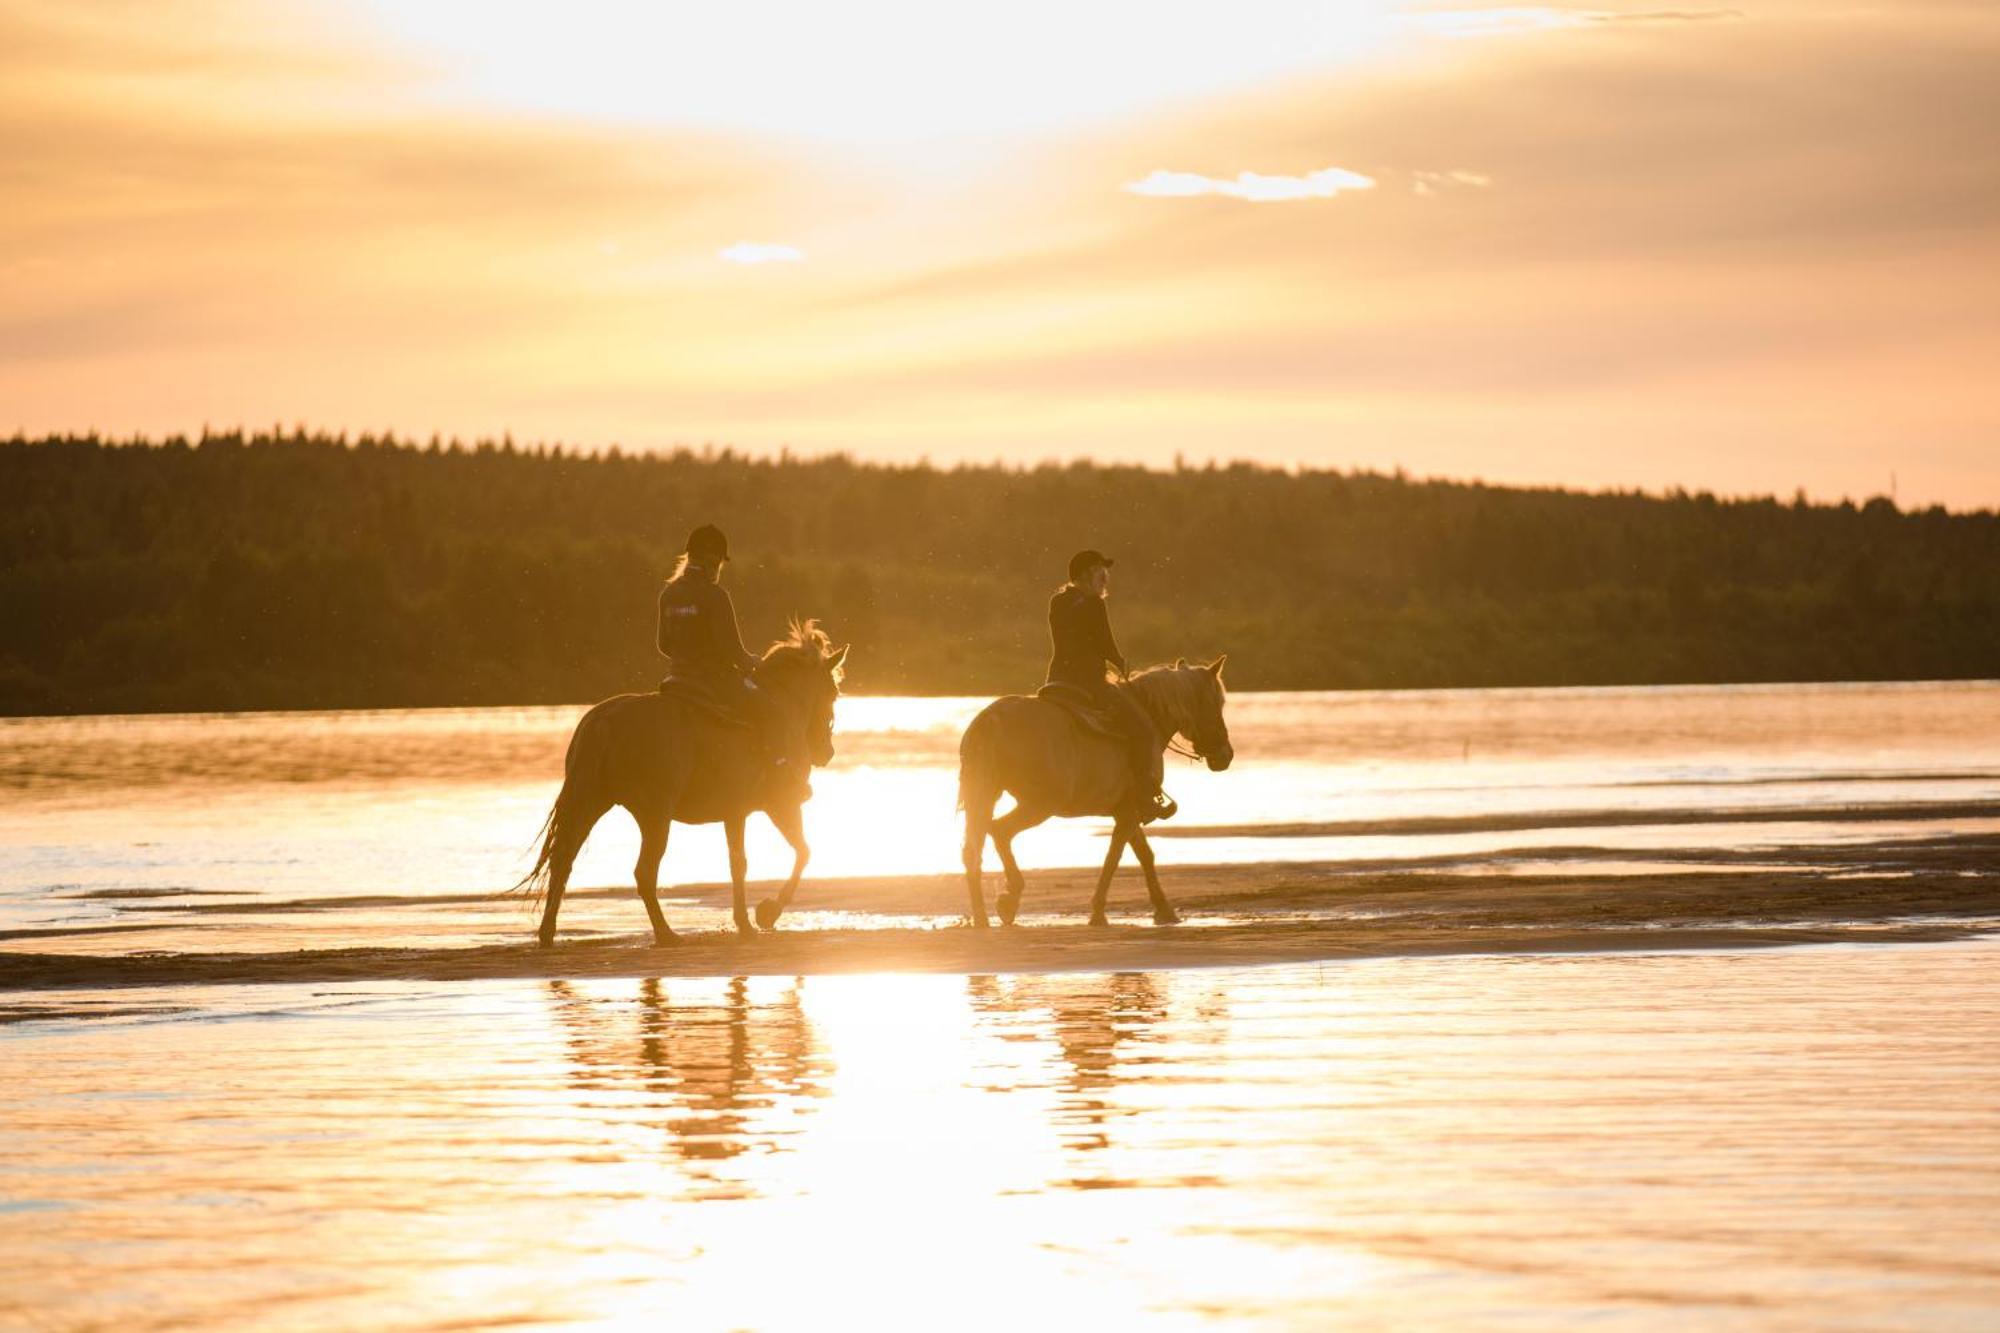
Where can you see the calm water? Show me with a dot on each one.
(210, 832)
(1795, 1139)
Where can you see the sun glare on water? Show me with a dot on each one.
(873, 71)
(835, 1116)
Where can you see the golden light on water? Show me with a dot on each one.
(1655, 1138)
(1377, 1142)
(845, 1128)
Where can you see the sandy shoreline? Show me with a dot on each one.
(1238, 916)
(1032, 949)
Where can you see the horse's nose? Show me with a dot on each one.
(1221, 759)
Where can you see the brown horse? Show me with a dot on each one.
(1053, 765)
(667, 760)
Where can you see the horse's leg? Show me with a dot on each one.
(570, 831)
(1163, 911)
(652, 846)
(978, 823)
(1121, 833)
(790, 821)
(1019, 819)
(739, 866)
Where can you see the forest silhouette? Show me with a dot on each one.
(295, 570)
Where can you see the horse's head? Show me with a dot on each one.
(1188, 700)
(1208, 733)
(802, 671)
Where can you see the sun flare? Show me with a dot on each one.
(877, 71)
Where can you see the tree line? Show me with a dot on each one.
(296, 570)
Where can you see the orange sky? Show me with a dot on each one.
(1745, 248)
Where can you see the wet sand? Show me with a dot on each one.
(1236, 915)
(1912, 812)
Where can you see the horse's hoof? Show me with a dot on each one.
(976, 922)
(665, 941)
(545, 941)
(1008, 907)
(1166, 917)
(743, 926)
(767, 913)
(1100, 920)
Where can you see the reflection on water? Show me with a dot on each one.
(1800, 1139)
(1090, 1019)
(715, 1063)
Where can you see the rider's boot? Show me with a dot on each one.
(1149, 771)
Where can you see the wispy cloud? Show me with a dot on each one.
(1538, 18)
(761, 252)
(1431, 182)
(1252, 186)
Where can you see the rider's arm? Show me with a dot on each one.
(729, 637)
(1101, 632)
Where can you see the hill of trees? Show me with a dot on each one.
(291, 570)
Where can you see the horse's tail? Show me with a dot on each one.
(536, 882)
(975, 749)
(580, 771)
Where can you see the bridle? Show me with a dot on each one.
(1193, 749)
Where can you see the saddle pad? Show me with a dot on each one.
(699, 698)
(1079, 705)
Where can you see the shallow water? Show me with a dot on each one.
(310, 830)
(1795, 1139)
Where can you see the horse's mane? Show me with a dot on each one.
(804, 644)
(1169, 689)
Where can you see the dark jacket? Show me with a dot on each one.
(1080, 638)
(698, 633)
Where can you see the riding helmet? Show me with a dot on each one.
(707, 543)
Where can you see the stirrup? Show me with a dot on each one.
(1160, 806)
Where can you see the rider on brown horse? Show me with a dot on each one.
(704, 649)
(1081, 648)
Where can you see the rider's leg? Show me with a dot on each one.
(1143, 746)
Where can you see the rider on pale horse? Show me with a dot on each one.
(698, 636)
(1081, 648)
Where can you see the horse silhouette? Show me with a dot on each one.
(667, 759)
(1053, 764)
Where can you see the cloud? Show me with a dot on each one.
(760, 252)
(1252, 186)
(1540, 18)
(1430, 182)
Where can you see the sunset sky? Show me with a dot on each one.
(1746, 248)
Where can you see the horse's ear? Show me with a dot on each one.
(839, 657)
(1215, 667)
(1180, 664)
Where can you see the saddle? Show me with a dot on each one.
(694, 695)
(1078, 704)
